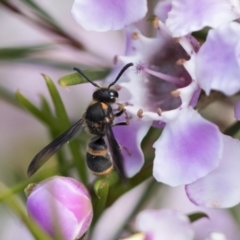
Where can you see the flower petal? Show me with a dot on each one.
(162, 9)
(105, 15)
(78, 204)
(220, 189)
(237, 110)
(164, 224)
(216, 236)
(189, 148)
(39, 206)
(130, 138)
(186, 16)
(217, 69)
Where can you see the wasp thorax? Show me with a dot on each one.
(105, 95)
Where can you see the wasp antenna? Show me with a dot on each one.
(81, 73)
(120, 74)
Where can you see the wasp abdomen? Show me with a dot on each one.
(98, 159)
(99, 165)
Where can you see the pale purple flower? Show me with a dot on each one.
(61, 206)
(187, 16)
(164, 92)
(167, 224)
(164, 224)
(108, 15)
(216, 65)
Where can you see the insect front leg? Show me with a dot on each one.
(122, 110)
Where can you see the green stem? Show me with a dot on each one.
(101, 188)
(119, 189)
(44, 24)
(79, 161)
(14, 203)
(38, 177)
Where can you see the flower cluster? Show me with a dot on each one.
(169, 75)
(168, 224)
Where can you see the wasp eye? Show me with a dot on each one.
(113, 94)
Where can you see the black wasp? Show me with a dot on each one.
(99, 120)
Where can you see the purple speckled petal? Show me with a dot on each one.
(130, 137)
(220, 189)
(189, 148)
(164, 224)
(105, 15)
(187, 16)
(237, 110)
(217, 69)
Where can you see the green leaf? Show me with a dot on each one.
(113, 178)
(35, 111)
(76, 78)
(196, 216)
(41, 13)
(63, 119)
(233, 129)
(45, 107)
(57, 101)
(20, 52)
(202, 34)
(39, 176)
(101, 188)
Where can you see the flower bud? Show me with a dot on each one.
(61, 206)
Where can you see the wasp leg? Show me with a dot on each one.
(121, 111)
(126, 150)
(121, 124)
(118, 114)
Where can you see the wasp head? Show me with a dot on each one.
(105, 95)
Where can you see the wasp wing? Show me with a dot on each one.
(115, 150)
(53, 147)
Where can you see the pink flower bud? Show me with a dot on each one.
(61, 206)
